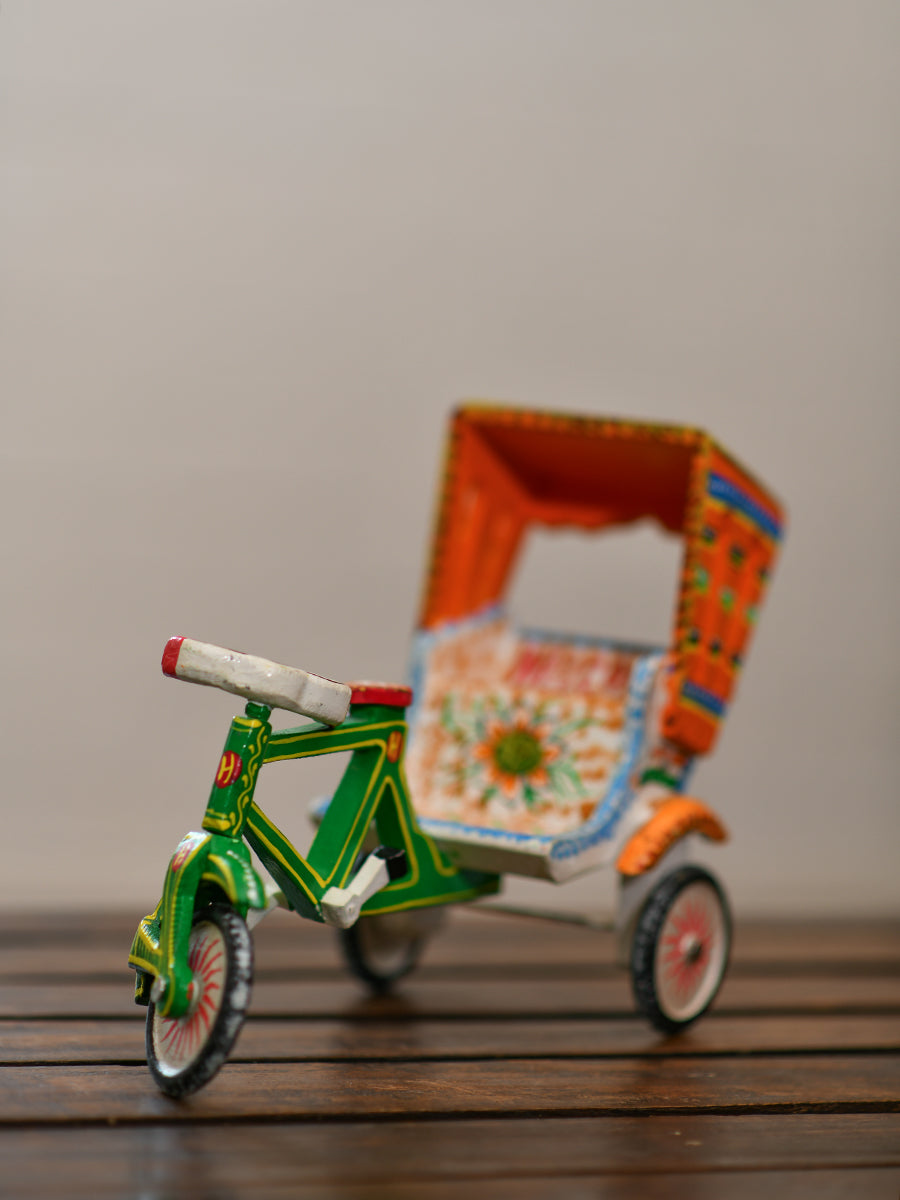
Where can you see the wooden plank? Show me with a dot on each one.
(336, 1091)
(239, 1160)
(314, 1039)
(112, 974)
(108, 963)
(515, 1050)
(841, 942)
(844, 1184)
(470, 939)
(550, 998)
(752, 1185)
(201, 1175)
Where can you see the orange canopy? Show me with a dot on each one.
(509, 468)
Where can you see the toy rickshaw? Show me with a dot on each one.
(529, 753)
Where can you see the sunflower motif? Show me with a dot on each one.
(513, 752)
(515, 756)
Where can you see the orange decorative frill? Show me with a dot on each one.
(672, 821)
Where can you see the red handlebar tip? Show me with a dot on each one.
(170, 655)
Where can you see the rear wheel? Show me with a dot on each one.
(680, 949)
(385, 947)
(183, 1053)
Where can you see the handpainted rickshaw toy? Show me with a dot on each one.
(514, 753)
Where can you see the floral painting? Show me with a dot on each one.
(517, 733)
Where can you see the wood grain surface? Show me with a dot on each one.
(511, 1064)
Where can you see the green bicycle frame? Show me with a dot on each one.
(215, 864)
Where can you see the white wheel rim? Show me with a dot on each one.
(690, 952)
(179, 1041)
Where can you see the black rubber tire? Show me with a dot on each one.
(383, 948)
(184, 1053)
(675, 982)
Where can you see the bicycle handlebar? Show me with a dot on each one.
(257, 679)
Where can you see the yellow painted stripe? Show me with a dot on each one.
(149, 967)
(276, 854)
(447, 898)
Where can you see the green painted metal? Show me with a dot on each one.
(372, 794)
(233, 787)
(373, 790)
(204, 867)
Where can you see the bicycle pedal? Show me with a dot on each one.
(395, 860)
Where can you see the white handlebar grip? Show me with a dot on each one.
(257, 679)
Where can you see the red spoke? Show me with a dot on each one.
(201, 953)
(170, 1027)
(203, 1015)
(180, 1040)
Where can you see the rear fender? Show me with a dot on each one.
(661, 845)
(671, 820)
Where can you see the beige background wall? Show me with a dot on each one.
(251, 254)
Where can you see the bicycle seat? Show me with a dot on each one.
(257, 679)
(392, 695)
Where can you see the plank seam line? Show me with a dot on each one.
(347, 1060)
(682, 1111)
(415, 1018)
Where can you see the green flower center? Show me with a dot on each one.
(517, 752)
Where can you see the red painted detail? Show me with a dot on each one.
(394, 745)
(230, 767)
(170, 655)
(394, 695)
(186, 848)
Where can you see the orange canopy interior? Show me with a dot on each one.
(507, 469)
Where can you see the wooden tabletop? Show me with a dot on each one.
(510, 1065)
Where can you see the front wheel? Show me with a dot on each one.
(680, 949)
(183, 1053)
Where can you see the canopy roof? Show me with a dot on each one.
(508, 468)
